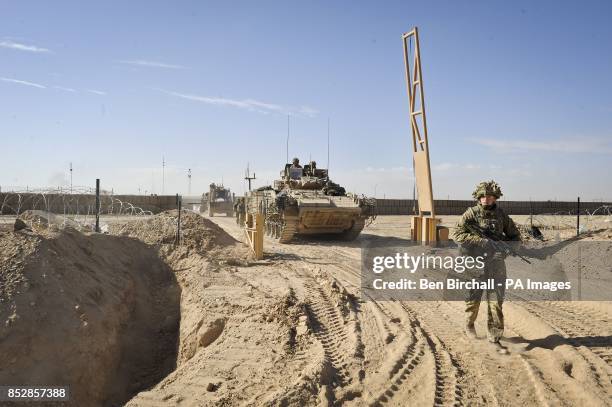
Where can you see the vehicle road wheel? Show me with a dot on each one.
(287, 229)
(353, 232)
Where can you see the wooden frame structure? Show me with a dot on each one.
(424, 225)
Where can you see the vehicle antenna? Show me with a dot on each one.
(328, 148)
(287, 139)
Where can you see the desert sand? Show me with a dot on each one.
(134, 319)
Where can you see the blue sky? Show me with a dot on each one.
(516, 91)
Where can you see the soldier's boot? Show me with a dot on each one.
(470, 331)
(500, 348)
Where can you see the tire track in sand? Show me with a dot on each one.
(446, 368)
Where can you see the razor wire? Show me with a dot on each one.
(75, 207)
(61, 207)
(563, 221)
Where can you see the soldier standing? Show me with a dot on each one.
(486, 216)
(239, 207)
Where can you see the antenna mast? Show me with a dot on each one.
(328, 148)
(287, 139)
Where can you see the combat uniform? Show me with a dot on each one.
(494, 221)
(295, 163)
(239, 209)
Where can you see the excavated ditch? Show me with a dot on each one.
(97, 313)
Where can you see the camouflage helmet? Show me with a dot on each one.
(295, 160)
(487, 188)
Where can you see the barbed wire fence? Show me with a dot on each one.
(562, 221)
(75, 207)
(58, 208)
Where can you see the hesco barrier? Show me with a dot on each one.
(457, 207)
(13, 202)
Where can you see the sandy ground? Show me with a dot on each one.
(291, 329)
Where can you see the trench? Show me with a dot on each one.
(150, 338)
(97, 313)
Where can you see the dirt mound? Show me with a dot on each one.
(198, 235)
(95, 312)
(15, 248)
(42, 220)
(601, 235)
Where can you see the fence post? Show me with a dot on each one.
(179, 204)
(97, 205)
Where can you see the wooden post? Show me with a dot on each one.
(179, 205)
(97, 229)
(258, 238)
(417, 227)
(254, 230)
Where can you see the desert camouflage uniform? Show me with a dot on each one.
(239, 207)
(494, 220)
(295, 163)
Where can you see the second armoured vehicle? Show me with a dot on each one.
(217, 200)
(306, 202)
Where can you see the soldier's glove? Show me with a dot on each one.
(484, 242)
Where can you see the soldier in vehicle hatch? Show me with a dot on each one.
(295, 171)
(296, 163)
(313, 168)
(478, 225)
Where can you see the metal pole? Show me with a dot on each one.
(189, 186)
(97, 230)
(578, 218)
(248, 176)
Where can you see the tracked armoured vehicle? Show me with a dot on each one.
(217, 200)
(306, 202)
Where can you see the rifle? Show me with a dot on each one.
(494, 240)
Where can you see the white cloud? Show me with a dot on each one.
(26, 83)
(23, 47)
(454, 166)
(65, 89)
(470, 166)
(247, 104)
(443, 166)
(153, 64)
(576, 145)
(400, 169)
(97, 92)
